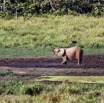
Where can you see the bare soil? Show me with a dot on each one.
(30, 68)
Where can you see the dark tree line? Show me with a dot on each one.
(59, 7)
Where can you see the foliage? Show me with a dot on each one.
(59, 7)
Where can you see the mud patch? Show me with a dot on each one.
(89, 61)
(30, 68)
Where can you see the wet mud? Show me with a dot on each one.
(91, 65)
(89, 61)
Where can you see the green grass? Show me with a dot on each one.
(91, 51)
(76, 79)
(19, 92)
(38, 35)
(32, 52)
(25, 52)
(52, 31)
(4, 73)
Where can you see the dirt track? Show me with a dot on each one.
(37, 66)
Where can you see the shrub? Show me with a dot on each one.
(25, 7)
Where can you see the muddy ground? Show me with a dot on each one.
(29, 68)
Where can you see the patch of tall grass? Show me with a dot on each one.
(33, 89)
(4, 73)
(40, 93)
(12, 87)
(52, 31)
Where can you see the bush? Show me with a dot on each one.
(60, 7)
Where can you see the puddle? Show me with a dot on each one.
(48, 64)
(88, 62)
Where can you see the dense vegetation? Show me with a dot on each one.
(48, 30)
(20, 92)
(52, 31)
(57, 7)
